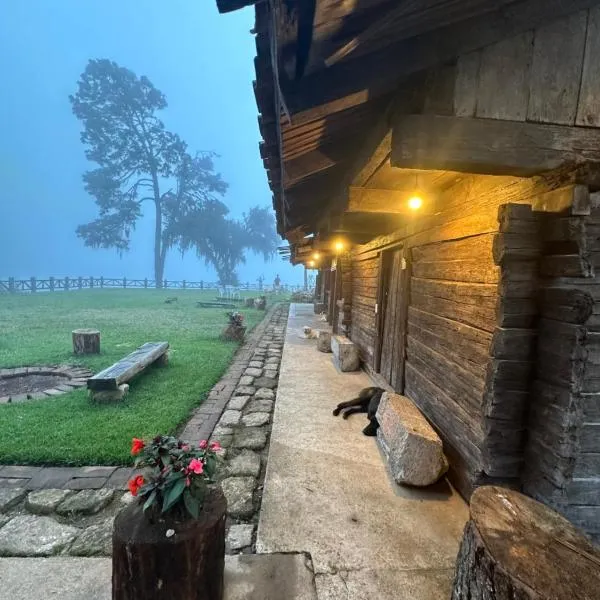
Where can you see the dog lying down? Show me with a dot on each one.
(367, 402)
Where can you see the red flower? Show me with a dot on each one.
(215, 446)
(135, 484)
(196, 466)
(137, 446)
(203, 445)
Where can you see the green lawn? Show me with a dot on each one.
(68, 429)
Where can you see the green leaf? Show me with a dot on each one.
(191, 503)
(149, 500)
(173, 494)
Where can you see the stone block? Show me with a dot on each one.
(238, 491)
(414, 451)
(324, 341)
(230, 418)
(246, 380)
(246, 463)
(10, 497)
(28, 535)
(108, 396)
(95, 540)
(252, 438)
(239, 537)
(44, 502)
(256, 419)
(265, 394)
(87, 502)
(345, 354)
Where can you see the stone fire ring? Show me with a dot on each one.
(45, 381)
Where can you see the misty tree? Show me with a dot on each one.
(139, 161)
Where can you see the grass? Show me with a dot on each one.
(69, 429)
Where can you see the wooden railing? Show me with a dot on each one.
(52, 284)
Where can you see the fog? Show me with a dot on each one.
(200, 60)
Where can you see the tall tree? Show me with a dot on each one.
(138, 160)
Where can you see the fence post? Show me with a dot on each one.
(146, 282)
(183, 285)
(11, 285)
(202, 285)
(51, 284)
(66, 284)
(101, 281)
(91, 282)
(79, 282)
(165, 285)
(124, 282)
(33, 285)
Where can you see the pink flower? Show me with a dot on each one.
(196, 466)
(185, 447)
(203, 445)
(215, 446)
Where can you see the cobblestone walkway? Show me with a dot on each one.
(47, 511)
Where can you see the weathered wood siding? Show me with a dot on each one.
(365, 278)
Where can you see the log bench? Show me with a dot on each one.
(111, 383)
(216, 305)
(345, 353)
(515, 548)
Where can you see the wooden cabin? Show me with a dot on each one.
(439, 162)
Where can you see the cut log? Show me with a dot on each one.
(515, 547)
(324, 341)
(149, 563)
(86, 341)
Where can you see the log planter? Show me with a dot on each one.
(168, 559)
(86, 341)
(233, 333)
(515, 548)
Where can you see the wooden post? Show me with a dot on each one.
(165, 284)
(33, 285)
(79, 282)
(86, 341)
(51, 284)
(202, 285)
(187, 565)
(124, 282)
(91, 284)
(183, 284)
(101, 281)
(66, 284)
(515, 547)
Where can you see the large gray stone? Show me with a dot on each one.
(10, 497)
(256, 364)
(253, 372)
(265, 393)
(86, 502)
(4, 519)
(44, 502)
(345, 353)
(245, 463)
(272, 360)
(238, 491)
(245, 390)
(239, 537)
(259, 405)
(95, 540)
(28, 535)
(271, 374)
(246, 380)
(256, 419)
(229, 418)
(413, 449)
(266, 382)
(252, 438)
(238, 402)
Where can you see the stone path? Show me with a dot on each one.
(49, 511)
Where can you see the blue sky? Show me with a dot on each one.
(201, 60)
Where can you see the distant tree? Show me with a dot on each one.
(139, 161)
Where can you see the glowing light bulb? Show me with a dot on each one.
(415, 202)
(339, 246)
(316, 256)
(311, 263)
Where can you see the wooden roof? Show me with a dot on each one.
(326, 73)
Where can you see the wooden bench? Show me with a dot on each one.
(216, 305)
(111, 383)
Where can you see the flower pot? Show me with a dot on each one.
(169, 559)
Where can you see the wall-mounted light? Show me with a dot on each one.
(311, 264)
(339, 246)
(415, 202)
(316, 256)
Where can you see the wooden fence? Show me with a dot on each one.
(53, 284)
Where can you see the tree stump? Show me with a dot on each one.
(515, 548)
(249, 302)
(148, 564)
(233, 333)
(86, 341)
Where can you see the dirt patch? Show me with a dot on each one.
(29, 383)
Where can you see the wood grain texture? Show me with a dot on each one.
(465, 89)
(588, 110)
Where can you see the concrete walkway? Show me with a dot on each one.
(328, 493)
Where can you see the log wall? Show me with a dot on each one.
(365, 279)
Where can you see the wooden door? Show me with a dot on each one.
(392, 323)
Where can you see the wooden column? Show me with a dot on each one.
(86, 341)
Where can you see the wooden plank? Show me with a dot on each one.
(378, 158)
(566, 265)
(470, 271)
(566, 304)
(124, 370)
(574, 199)
(369, 200)
(390, 326)
(465, 88)
(479, 294)
(463, 144)
(225, 6)
(462, 249)
(556, 70)
(588, 111)
(513, 344)
(504, 78)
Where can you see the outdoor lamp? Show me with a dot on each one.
(339, 246)
(415, 202)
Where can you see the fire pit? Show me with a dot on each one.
(29, 383)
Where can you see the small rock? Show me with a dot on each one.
(238, 491)
(256, 419)
(256, 364)
(270, 374)
(44, 502)
(127, 498)
(95, 540)
(253, 372)
(259, 405)
(274, 352)
(239, 537)
(265, 393)
(229, 418)
(245, 463)
(245, 390)
(238, 402)
(266, 382)
(10, 497)
(272, 360)
(29, 535)
(259, 352)
(246, 380)
(253, 438)
(86, 502)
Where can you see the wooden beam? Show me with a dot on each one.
(490, 147)
(367, 200)
(366, 77)
(304, 166)
(226, 6)
(378, 158)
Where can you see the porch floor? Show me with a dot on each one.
(327, 491)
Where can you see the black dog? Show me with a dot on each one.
(367, 402)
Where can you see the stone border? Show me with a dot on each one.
(76, 377)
